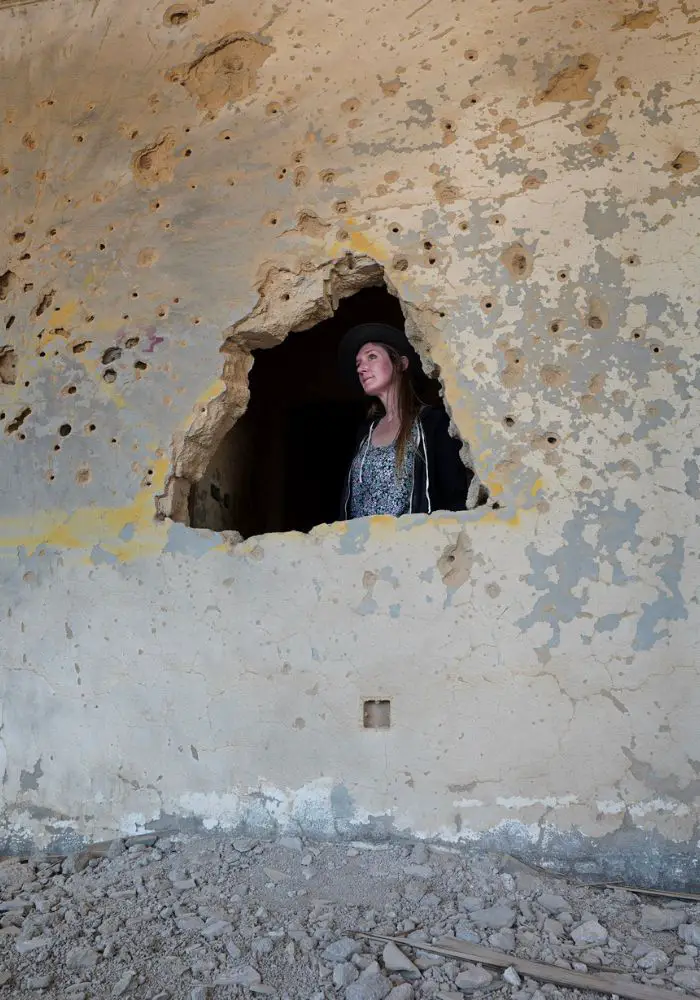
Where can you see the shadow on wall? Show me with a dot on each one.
(282, 465)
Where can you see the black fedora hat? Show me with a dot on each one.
(373, 333)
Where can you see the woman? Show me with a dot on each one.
(406, 461)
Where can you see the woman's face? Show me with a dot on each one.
(374, 369)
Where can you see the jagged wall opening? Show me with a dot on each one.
(269, 453)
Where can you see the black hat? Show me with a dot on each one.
(373, 333)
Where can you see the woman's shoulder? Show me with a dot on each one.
(433, 418)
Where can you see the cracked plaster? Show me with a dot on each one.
(553, 169)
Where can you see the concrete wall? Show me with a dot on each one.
(525, 179)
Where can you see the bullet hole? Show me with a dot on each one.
(428, 245)
(498, 220)
(517, 260)
(487, 304)
(400, 264)
(273, 108)
(8, 282)
(281, 173)
(155, 205)
(351, 105)
(140, 366)
(109, 375)
(44, 303)
(655, 346)
(285, 296)
(509, 421)
(396, 228)
(376, 713)
(111, 354)
(327, 176)
(26, 256)
(188, 152)
(162, 311)
(531, 183)
(167, 225)
(196, 321)
(101, 246)
(64, 430)
(50, 477)
(225, 136)
(82, 346)
(9, 321)
(463, 226)
(177, 15)
(448, 125)
(469, 101)
(125, 316)
(595, 322)
(341, 207)
(442, 314)
(685, 162)
(471, 55)
(623, 84)
(71, 390)
(147, 257)
(15, 424)
(554, 326)
(18, 236)
(78, 139)
(28, 141)
(495, 505)
(633, 260)
(563, 274)
(8, 365)
(113, 441)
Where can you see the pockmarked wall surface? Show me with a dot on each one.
(181, 184)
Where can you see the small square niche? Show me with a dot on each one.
(376, 713)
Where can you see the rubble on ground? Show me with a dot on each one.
(212, 918)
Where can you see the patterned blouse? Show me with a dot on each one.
(375, 486)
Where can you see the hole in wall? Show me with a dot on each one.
(284, 404)
(376, 713)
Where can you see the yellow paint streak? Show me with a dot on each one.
(89, 526)
(536, 487)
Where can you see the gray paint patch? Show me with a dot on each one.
(355, 538)
(29, 780)
(669, 605)
(604, 220)
(192, 542)
(98, 556)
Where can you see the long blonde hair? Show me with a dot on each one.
(408, 403)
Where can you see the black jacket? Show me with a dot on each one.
(440, 480)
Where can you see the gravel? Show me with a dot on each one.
(218, 918)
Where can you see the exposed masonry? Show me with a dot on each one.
(289, 301)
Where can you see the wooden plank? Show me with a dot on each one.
(542, 971)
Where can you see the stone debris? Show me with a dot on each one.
(473, 977)
(654, 918)
(208, 917)
(589, 932)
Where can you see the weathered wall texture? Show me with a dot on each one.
(178, 178)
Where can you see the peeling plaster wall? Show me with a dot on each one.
(176, 179)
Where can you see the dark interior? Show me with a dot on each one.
(282, 466)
